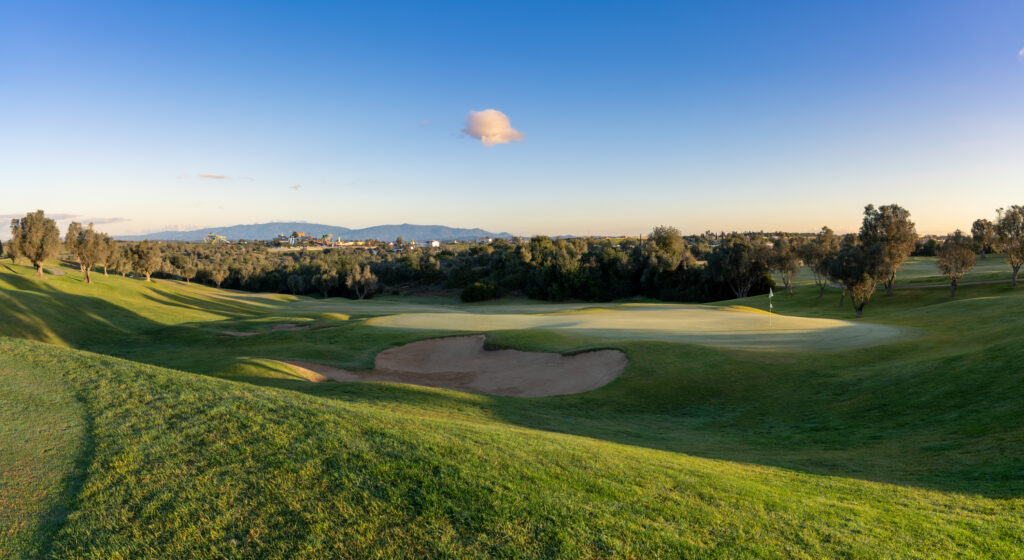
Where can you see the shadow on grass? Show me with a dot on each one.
(72, 485)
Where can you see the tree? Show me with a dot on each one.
(297, 284)
(36, 238)
(984, 234)
(956, 258)
(785, 258)
(146, 259)
(361, 280)
(92, 248)
(107, 252)
(218, 274)
(186, 266)
(739, 263)
(1009, 230)
(891, 227)
(859, 269)
(71, 241)
(120, 260)
(663, 253)
(817, 254)
(326, 280)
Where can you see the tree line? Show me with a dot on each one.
(665, 265)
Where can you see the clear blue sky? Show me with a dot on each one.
(704, 116)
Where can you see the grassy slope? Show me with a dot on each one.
(183, 465)
(694, 449)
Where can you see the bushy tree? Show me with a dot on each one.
(91, 248)
(817, 254)
(71, 241)
(326, 280)
(859, 269)
(185, 265)
(107, 252)
(297, 284)
(739, 263)
(120, 260)
(219, 273)
(36, 238)
(1009, 230)
(784, 258)
(891, 227)
(361, 281)
(146, 259)
(956, 258)
(478, 291)
(984, 234)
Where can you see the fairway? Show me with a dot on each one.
(733, 327)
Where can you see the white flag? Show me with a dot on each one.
(771, 294)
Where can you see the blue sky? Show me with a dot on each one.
(704, 116)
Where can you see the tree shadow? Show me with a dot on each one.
(907, 451)
(72, 486)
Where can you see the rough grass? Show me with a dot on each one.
(911, 449)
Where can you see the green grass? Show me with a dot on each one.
(912, 449)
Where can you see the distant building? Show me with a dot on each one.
(435, 243)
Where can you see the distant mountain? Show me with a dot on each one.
(273, 229)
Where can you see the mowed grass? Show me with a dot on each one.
(910, 449)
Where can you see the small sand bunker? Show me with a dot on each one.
(289, 327)
(462, 363)
(237, 333)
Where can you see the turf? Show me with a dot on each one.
(911, 449)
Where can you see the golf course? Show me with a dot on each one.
(171, 420)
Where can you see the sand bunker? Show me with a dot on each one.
(462, 363)
(237, 333)
(289, 327)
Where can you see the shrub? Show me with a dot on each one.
(479, 291)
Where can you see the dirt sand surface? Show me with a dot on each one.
(462, 363)
(288, 327)
(237, 333)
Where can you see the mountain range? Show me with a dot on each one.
(273, 229)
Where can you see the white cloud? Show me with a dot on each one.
(212, 176)
(1020, 55)
(491, 127)
(295, 187)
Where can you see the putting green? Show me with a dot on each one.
(734, 327)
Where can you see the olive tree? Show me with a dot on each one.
(956, 258)
(146, 259)
(859, 269)
(120, 260)
(91, 249)
(71, 241)
(36, 238)
(361, 281)
(1009, 230)
(889, 226)
(297, 284)
(326, 280)
(984, 234)
(785, 259)
(218, 274)
(185, 266)
(739, 263)
(817, 254)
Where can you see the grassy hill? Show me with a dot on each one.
(139, 429)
